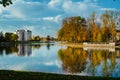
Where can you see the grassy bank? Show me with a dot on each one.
(20, 75)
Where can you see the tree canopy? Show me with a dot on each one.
(78, 29)
(73, 29)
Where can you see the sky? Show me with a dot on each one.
(43, 17)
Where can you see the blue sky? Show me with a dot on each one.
(44, 17)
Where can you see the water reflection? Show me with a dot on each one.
(21, 49)
(73, 59)
(8, 49)
(24, 49)
(61, 59)
(90, 62)
(48, 46)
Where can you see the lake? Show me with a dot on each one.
(53, 58)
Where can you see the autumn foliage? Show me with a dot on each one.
(78, 60)
(78, 29)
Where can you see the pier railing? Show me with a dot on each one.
(102, 44)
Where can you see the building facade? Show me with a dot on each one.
(24, 35)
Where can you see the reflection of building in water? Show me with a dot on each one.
(24, 35)
(24, 50)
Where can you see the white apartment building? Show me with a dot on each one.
(24, 35)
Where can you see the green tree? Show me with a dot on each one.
(1, 37)
(10, 36)
(37, 38)
(6, 2)
(14, 37)
(48, 37)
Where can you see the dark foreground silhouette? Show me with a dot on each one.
(22, 75)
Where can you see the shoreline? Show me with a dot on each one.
(80, 45)
(75, 45)
(26, 75)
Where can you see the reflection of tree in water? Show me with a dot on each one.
(98, 57)
(18, 49)
(1, 50)
(49, 45)
(73, 60)
(9, 49)
(37, 46)
(21, 49)
(101, 62)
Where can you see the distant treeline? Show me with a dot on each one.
(12, 37)
(47, 38)
(8, 37)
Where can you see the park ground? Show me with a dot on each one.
(23, 75)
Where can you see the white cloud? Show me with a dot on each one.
(29, 28)
(30, 10)
(23, 10)
(80, 8)
(1, 9)
(54, 3)
(43, 14)
(58, 18)
(16, 14)
(48, 18)
(104, 9)
(12, 11)
(53, 19)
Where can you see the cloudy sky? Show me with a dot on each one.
(44, 17)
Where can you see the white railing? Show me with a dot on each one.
(98, 44)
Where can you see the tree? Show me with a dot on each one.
(99, 37)
(109, 30)
(104, 32)
(10, 36)
(14, 37)
(48, 37)
(94, 28)
(6, 2)
(1, 37)
(73, 29)
(60, 34)
(37, 38)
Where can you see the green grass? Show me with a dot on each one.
(22, 75)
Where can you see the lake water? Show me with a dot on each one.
(53, 58)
